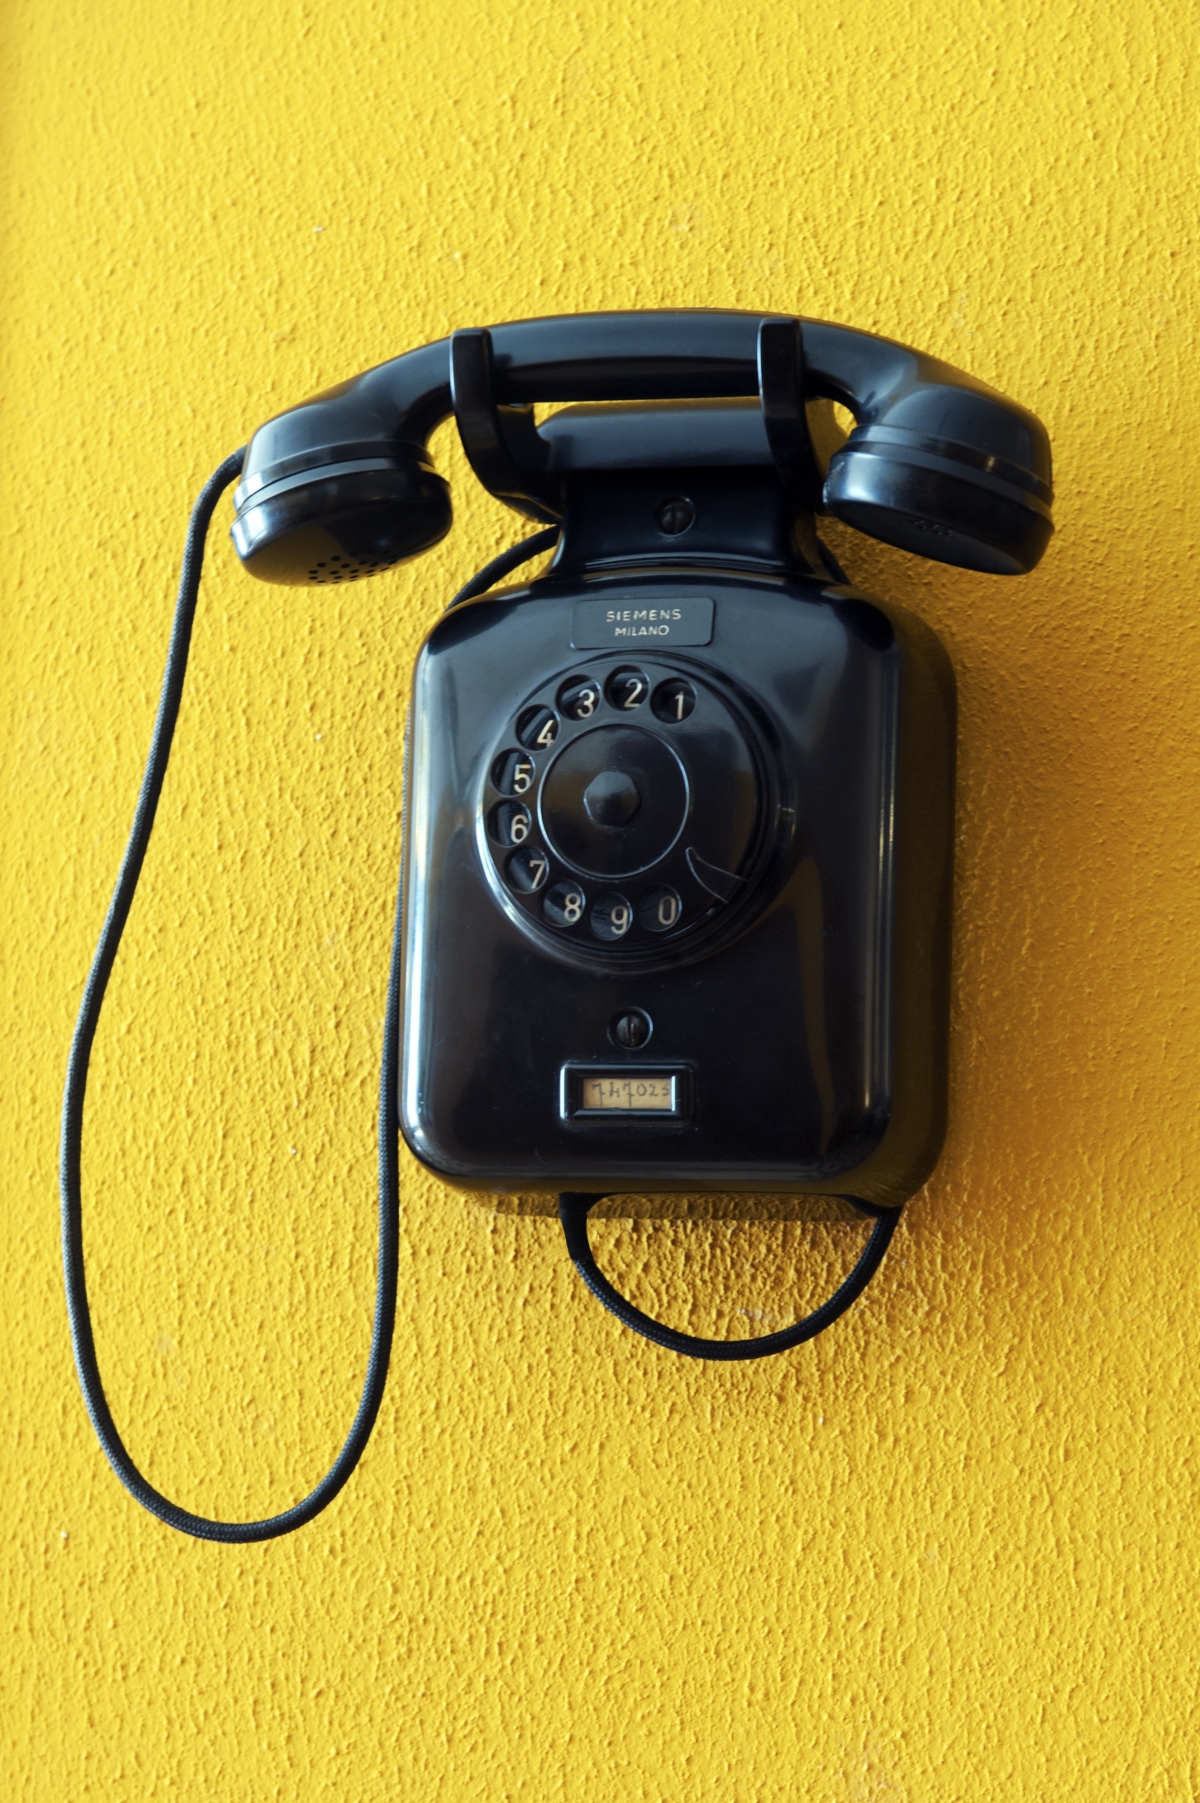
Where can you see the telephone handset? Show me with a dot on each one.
(674, 911)
(936, 464)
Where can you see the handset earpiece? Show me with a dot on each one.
(341, 486)
(937, 463)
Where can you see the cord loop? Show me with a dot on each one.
(573, 1210)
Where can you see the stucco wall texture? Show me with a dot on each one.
(949, 1551)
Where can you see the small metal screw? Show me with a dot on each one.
(631, 1030)
(675, 515)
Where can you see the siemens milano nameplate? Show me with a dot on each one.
(638, 620)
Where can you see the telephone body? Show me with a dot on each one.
(675, 899)
(676, 913)
(678, 812)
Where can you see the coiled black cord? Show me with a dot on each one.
(72, 1118)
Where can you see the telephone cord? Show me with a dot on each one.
(528, 548)
(90, 1380)
(501, 566)
(573, 1210)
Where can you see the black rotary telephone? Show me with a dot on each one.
(675, 900)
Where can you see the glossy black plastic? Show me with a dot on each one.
(783, 933)
(936, 462)
(754, 868)
(502, 443)
(678, 827)
(354, 520)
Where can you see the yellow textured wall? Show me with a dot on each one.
(951, 1550)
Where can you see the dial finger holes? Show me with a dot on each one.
(626, 689)
(527, 871)
(537, 728)
(512, 772)
(673, 700)
(510, 823)
(659, 911)
(564, 905)
(579, 697)
(611, 918)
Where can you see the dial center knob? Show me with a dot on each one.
(612, 799)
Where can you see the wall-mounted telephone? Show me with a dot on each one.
(677, 828)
